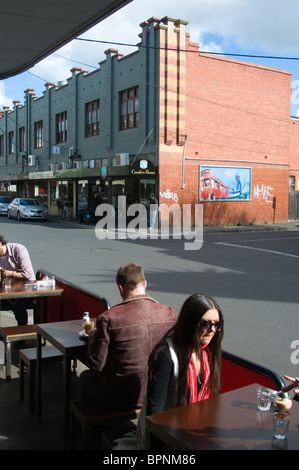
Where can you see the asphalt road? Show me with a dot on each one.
(254, 277)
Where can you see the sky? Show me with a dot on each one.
(264, 28)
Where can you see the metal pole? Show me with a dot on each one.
(183, 176)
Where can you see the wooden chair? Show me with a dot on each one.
(95, 418)
(11, 334)
(28, 357)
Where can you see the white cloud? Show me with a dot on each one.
(249, 26)
(4, 100)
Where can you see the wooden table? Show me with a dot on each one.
(30, 289)
(230, 421)
(65, 337)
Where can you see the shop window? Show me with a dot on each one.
(82, 195)
(41, 193)
(38, 135)
(61, 127)
(93, 118)
(62, 190)
(129, 108)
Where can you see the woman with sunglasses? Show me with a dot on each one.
(185, 367)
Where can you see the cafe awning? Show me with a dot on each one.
(30, 30)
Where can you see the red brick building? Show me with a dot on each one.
(229, 114)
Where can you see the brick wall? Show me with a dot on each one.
(236, 114)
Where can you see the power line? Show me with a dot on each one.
(232, 54)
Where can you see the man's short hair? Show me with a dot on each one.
(130, 275)
(2, 240)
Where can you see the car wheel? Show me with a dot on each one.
(8, 214)
(19, 216)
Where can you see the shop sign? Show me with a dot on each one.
(40, 175)
(143, 167)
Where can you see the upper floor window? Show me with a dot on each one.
(61, 127)
(38, 134)
(129, 108)
(93, 118)
(1, 145)
(22, 139)
(11, 142)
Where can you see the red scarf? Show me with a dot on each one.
(204, 391)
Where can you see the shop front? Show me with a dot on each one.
(136, 182)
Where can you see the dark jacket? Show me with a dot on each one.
(120, 346)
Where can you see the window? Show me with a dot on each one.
(1, 145)
(11, 142)
(292, 182)
(61, 127)
(129, 107)
(38, 134)
(93, 118)
(22, 139)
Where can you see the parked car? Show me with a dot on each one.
(4, 201)
(27, 208)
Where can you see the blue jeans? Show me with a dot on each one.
(153, 216)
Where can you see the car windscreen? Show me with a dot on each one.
(29, 202)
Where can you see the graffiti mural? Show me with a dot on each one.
(263, 193)
(222, 183)
(169, 195)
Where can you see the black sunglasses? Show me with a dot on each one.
(207, 325)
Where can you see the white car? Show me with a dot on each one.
(27, 208)
(4, 201)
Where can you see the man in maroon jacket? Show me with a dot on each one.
(120, 345)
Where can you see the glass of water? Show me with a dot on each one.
(264, 398)
(281, 422)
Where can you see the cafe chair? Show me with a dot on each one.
(94, 418)
(11, 334)
(28, 357)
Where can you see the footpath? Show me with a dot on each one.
(285, 226)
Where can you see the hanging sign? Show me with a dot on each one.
(143, 167)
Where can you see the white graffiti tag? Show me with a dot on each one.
(169, 195)
(263, 192)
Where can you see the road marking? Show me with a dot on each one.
(257, 249)
(266, 239)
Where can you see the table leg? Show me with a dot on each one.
(61, 307)
(7, 359)
(45, 310)
(39, 375)
(37, 312)
(66, 398)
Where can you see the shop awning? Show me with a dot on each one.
(30, 30)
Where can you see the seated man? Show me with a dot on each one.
(120, 345)
(16, 264)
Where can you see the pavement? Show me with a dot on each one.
(290, 225)
(22, 430)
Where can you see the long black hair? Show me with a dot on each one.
(185, 340)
